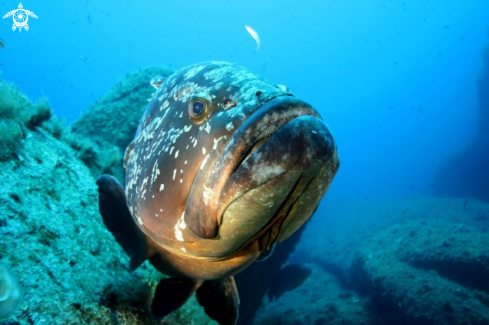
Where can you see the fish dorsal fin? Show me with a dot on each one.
(171, 294)
(220, 300)
(118, 220)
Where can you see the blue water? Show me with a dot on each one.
(394, 80)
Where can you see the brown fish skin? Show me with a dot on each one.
(223, 165)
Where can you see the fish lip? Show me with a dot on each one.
(265, 121)
(257, 129)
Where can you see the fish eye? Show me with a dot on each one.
(199, 107)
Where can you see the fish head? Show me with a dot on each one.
(222, 159)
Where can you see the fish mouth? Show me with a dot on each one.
(281, 180)
(263, 168)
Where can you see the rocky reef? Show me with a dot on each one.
(106, 128)
(466, 173)
(414, 261)
(52, 239)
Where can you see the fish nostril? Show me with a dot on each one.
(258, 93)
(228, 103)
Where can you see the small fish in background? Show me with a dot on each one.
(89, 19)
(84, 59)
(255, 36)
(10, 293)
(2, 43)
(288, 278)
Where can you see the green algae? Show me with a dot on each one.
(17, 112)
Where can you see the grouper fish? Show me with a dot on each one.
(223, 165)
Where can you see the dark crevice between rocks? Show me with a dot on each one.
(473, 274)
(377, 300)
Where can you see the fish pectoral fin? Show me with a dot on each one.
(118, 220)
(171, 294)
(220, 300)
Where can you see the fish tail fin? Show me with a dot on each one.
(171, 294)
(118, 220)
(220, 300)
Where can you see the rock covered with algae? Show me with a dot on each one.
(52, 239)
(103, 132)
(407, 261)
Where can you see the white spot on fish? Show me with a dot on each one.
(216, 141)
(185, 162)
(207, 194)
(181, 181)
(162, 187)
(164, 105)
(203, 151)
(183, 249)
(192, 72)
(176, 154)
(204, 162)
(229, 126)
(154, 173)
(174, 173)
(187, 128)
(207, 128)
(195, 143)
(179, 226)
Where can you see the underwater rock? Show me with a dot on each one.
(320, 300)
(414, 261)
(17, 113)
(53, 239)
(103, 132)
(465, 173)
(10, 293)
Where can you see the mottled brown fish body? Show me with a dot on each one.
(223, 165)
(185, 179)
(177, 266)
